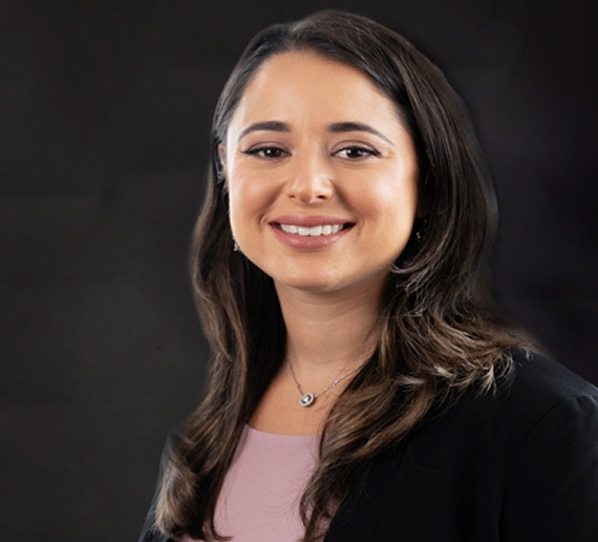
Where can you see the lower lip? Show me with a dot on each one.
(308, 242)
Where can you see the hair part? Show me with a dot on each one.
(440, 334)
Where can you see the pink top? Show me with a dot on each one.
(259, 501)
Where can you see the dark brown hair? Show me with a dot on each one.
(439, 333)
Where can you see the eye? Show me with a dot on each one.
(356, 152)
(266, 152)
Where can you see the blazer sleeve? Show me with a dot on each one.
(552, 493)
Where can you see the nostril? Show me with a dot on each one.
(307, 196)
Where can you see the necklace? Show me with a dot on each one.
(307, 399)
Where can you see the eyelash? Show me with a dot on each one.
(266, 152)
(261, 152)
(364, 152)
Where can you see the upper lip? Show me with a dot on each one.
(309, 221)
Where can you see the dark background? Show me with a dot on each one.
(105, 112)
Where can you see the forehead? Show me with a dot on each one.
(304, 83)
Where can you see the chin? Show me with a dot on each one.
(309, 283)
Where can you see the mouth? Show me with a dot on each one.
(320, 230)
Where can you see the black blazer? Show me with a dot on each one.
(517, 466)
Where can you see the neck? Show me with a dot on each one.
(329, 334)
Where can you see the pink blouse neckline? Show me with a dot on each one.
(268, 434)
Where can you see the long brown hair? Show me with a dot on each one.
(439, 333)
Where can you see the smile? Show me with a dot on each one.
(314, 231)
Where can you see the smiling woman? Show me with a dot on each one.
(310, 167)
(362, 385)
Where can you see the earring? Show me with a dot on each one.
(235, 246)
(421, 230)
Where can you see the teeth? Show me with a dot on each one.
(311, 232)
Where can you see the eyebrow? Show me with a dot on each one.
(268, 126)
(335, 128)
(340, 127)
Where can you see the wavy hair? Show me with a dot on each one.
(439, 332)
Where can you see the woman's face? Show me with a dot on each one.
(321, 174)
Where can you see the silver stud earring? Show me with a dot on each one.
(421, 230)
(235, 246)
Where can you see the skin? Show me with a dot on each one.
(315, 142)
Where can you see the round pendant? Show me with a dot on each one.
(307, 399)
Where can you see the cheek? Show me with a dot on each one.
(393, 198)
(248, 199)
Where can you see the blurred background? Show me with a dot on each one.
(105, 112)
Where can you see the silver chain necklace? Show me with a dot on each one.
(308, 399)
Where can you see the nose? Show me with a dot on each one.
(311, 178)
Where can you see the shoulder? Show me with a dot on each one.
(533, 387)
(539, 416)
(537, 392)
(538, 387)
(518, 464)
(545, 379)
(553, 452)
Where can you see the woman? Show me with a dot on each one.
(362, 386)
